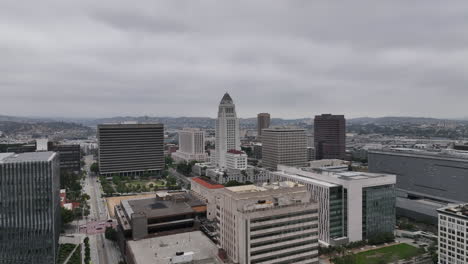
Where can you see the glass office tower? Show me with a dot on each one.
(378, 209)
(29, 207)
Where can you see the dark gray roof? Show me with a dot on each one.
(27, 157)
(226, 99)
(154, 208)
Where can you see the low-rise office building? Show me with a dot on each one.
(453, 234)
(169, 212)
(206, 190)
(236, 159)
(273, 223)
(354, 206)
(189, 247)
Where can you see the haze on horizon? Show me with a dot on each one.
(292, 59)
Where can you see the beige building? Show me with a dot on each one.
(206, 190)
(284, 146)
(191, 146)
(274, 223)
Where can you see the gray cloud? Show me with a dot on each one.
(289, 58)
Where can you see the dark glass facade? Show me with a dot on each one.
(330, 137)
(378, 210)
(29, 208)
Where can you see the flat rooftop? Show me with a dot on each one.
(26, 157)
(347, 175)
(264, 187)
(443, 154)
(154, 208)
(460, 210)
(131, 125)
(164, 248)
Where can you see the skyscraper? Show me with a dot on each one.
(284, 146)
(227, 130)
(191, 146)
(29, 207)
(130, 149)
(263, 121)
(330, 136)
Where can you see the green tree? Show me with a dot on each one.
(110, 233)
(233, 183)
(94, 168)
(67, 215)
(171, 181)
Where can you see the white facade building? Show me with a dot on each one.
(453, 234)
(236, 159)
(191, 146)
(206, 191)
(227, 130)
(274, 223)
(353, 205)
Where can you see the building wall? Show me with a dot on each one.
(379, 204)
(453, 232)
(29, 211)
(70, 156)
(236, 161)
(436, 177)
(330, 136)
(192, 141)
(253, 236)
(130, 148)
(285, 147)
(227, 131)
(263, 121)
(351, 203)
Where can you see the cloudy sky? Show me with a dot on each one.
(293, 58)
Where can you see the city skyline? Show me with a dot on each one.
(292, 60)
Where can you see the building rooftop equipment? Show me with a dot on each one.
(190, 247)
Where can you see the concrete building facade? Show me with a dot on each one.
(353, 205)
(191, 146)
(437, 175)
(273, 223)
(453, 234)
(236, 159)
(227, 131)
(330, 136)
(285, 146)
(29, 207)
(130, 149)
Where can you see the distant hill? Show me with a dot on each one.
(51, 129)
(392, 120)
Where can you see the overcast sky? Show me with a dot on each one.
(292, 58)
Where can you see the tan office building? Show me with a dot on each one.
(273, 223)
(284, 146)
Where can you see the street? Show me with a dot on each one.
(180, 177)
(103, 251)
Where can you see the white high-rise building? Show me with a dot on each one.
(227, 131)
(453, 233)
(191, 146)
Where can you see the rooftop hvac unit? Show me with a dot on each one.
(185, 257)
